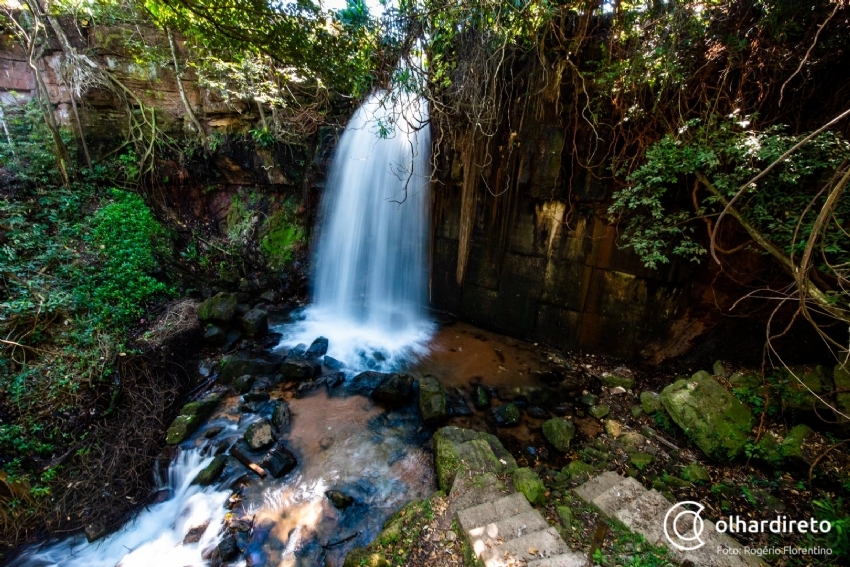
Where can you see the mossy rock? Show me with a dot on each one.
(768, 449)
(565, 514)
(364, 557)
(559, 432)
(745, 380)
(191, 417)
(612, 380)
(210, 473)
(599, 411)
(711, 416)
(719, 368)
(650, 402)
(796, 398)
(696, 474)
(456, 448)
(506, 415)
(641, 460)
(481, 397)
(432, 401)
(220, 308)
(578, 471)
(527, 482)
(794, 447)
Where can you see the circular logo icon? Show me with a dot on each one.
(683, 525)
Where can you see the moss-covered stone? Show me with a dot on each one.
(432, 401)
(768, 449)
(613, 379)
(745, 380)
(481, 397)
(599, 411)
(565, 514)
(527, 482)
(456, 448)
(506, 415)
(641, 460)
(211, 472)
(243, 383)
(578, 471)
(799, 386)
(559, 432)
(650, 402)
(711, 416)
(696, 474)
(794, 449)
(191, 417)
(220, 307)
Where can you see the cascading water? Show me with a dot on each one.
(370, 282)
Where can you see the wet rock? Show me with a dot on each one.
(279, 461)
(243, 383)
(521, 401)
(190, 418)
(712, 417)
(259, 435)
(249, 407)
(305, 387)
(221, 308)
(242, 308)
(317, 349)
(243, 363)
(231, 338)
(159, 496)
(365, 382)
(296, 352)
(213, 431)
(256, 397)
(300, 369)
(432, 401)
(650, 402)
(506, 415)
(272, 340)
(563, 409)
(255, 323)
(457, 404)
(227, 548)
(326, 443)
(481, 395)
(214, 336)
(599, 411)
(94, 531)
(457, 449)
(211, 472)
(537, 412)
(395, 389)
(527, 482)
(333, 363)
(559, 432)
(194, 535)
(340, 500)
(334, 380)
(281, 418)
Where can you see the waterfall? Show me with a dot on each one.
(370, 280)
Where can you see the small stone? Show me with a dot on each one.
(565, 513)
(281, 417)
(506, 415)
(256, 397)
(578, 470)
(450, 535)
(636, 411)
(720, 369)
(194, 534)
(326, 442)
(214, 336)
(537, 412)
(481, 396)
(641, 460)
(620, 376)
(243, 383)
(527, 482)
(650, 402)
(340, 500)
(696, 474)
(599, 411)
(559, 432)
(613, 428)
(589, 399)
(617, 390)
(94, 531)
(259, 434)
(318, 348)
(213, 431)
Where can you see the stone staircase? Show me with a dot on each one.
(504, 530)
(643, 511)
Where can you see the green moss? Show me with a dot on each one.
(280, 235)
(527, 482)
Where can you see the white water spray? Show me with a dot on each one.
(370, 283)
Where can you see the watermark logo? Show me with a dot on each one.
(686, 525)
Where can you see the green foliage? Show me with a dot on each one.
(661, 220)
(127, 239)
(838, 538)
(26, 155)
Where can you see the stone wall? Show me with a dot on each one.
(545, 264)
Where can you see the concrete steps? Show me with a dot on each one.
(643, 511)
(504, 530)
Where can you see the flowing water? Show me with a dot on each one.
(369, 300)
(370, 281)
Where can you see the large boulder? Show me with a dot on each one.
(559, 432)
(395, 389)
(242, 363)
(317, 349)
(300, 369)
(457, 449)
(432, 401)
(799, 386)
(191, 417)
(711, 416)
(219, 308)
(255, 323)
(797, 447)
